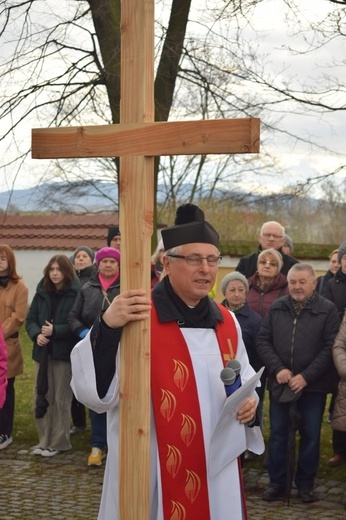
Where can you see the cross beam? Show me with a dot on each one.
(136, 140)
(148, 139)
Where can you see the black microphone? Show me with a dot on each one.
(236, 366)
(228, 377)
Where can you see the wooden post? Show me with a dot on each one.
(136, 141)
(136, 213)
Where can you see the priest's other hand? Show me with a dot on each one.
(248, 410)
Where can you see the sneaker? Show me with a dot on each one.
(37, 450)
(95, 457)
(77, 429)
(274, 492)
(49, 452)
(5, 441)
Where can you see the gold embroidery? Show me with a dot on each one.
(168, 404)
(231, 355)
(173, 461)
(193, 485)
(188, 429)
(181, 374)
(178, 511)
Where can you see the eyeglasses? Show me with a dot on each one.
(268, 235)
(212, 260)
(270, 262)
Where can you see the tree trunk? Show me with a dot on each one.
(106, 19)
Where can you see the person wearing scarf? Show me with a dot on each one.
(94, 297)
(268, 283)
(295, 343)
(192, 338)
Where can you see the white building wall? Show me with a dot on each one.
(30, 265)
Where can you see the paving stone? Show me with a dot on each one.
(64, 488)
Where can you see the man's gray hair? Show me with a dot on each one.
(302, 267)
(272, 222)
(177, 250)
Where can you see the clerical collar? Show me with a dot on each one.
(194, 317)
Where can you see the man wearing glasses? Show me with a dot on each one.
(272, 236)
(192, 338)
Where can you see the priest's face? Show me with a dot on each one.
(192, 277)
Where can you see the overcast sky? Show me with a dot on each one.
(272, 33)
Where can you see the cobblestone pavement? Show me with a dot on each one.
(65, 488)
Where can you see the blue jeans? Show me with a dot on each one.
(98, 430)
(311, 406)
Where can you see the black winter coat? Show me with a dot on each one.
(336, 291)
(301, 344)
(85, 274)
(62, 341)
(322, 282)
(90, 301)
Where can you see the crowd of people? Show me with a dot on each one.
(275, 314)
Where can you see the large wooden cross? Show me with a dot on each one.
(137, 140)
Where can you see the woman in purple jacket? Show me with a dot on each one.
(267, 284)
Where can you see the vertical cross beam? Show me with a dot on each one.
(136, 219)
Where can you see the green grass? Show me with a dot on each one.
(25, 431)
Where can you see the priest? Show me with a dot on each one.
(192, 338)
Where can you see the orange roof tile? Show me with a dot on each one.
(54, 231)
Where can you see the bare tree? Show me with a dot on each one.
(61, 66)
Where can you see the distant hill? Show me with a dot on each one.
(61, 197)
(103, 196)
(84, 197)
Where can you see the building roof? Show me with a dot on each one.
(55, 231)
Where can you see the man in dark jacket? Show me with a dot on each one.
(336, 287)
(272, 236)
(295, 344)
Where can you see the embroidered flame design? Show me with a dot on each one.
(178, 511)
(181, 374)
(193, 485)
(173, 461)
(188, 430)
(168, 404)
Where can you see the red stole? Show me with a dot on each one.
(178, 418)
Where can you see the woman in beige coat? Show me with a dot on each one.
(339, 412)
(13, 308)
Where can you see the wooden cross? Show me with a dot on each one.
(137, 140)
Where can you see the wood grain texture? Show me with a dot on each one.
(136, 188)
(225, 136)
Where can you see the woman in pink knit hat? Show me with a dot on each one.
(95, 296)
